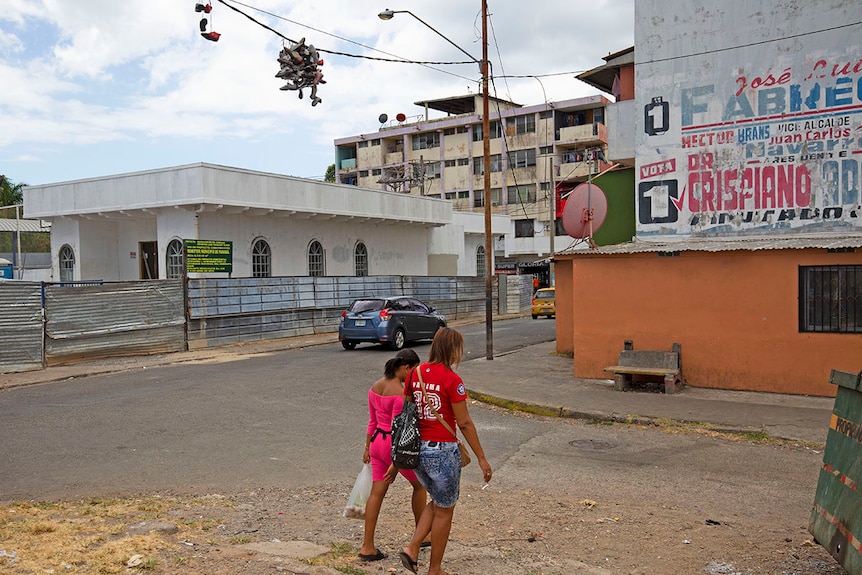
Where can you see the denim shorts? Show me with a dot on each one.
(439, 471)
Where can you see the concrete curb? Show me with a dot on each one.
(631, 419)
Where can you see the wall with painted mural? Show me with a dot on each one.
(755, 130)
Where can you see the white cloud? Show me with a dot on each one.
(138, 71)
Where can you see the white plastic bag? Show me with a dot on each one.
(355, 508)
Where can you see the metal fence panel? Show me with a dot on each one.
(87, 322)
(228, 311)
(20, 326)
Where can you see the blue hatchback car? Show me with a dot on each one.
(389, 320)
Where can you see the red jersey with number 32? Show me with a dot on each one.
(443, 388)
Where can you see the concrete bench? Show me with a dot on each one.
(647, 364)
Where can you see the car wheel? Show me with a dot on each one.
(398, 340)
(535, 316)
(347, 344)
(440, 326)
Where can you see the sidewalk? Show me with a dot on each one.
(537, 380)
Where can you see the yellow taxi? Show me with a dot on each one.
(543, 303)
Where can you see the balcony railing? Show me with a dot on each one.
(588, 133)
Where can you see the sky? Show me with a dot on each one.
(92, 88)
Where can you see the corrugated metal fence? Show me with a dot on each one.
(87, 321)
(20, 326)
(225, 311)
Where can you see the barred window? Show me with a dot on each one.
(432, 170)
(496, 164)
(315, 259)
(521, 124)
(363, 144)
(480, 261)
(522, 158)
(496, 196)
(525, 194)
(495, 128)
(524, 229)
(174, 259)
(360, 260)
(261, 259)
(426, 140)
(67, 263)
(830, 299)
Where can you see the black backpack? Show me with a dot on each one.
(405, 437)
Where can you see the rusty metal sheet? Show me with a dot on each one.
(20, 326)
(822, 241)
(87, 322)
(836, 519)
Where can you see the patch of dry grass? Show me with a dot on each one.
(89, 536)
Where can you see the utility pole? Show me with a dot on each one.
(486, 146)
(552, 200)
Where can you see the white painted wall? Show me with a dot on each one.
(104, 220)
(130, 234)
(64, 231)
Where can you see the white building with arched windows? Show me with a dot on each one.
(133, 226)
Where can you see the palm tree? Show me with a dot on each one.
(10, 193)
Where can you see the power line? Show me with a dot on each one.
(759, 43)
(397, 59)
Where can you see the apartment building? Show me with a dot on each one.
(538, 153)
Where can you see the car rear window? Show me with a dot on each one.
(363, 305)
(545, 294)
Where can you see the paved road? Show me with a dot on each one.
(296, 418)
(218, 424)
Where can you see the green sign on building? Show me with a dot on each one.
(209, 256)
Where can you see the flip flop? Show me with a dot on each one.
(408, 562)
(376, 557)
(425, 544)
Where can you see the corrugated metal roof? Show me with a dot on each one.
(15, 225)
(723, 245)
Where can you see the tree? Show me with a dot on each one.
(330, 174)
(10, 192)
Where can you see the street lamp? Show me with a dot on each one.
(486, 164)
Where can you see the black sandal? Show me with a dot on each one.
(376, 557)
(408, 562)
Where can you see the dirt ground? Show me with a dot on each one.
(496, 530)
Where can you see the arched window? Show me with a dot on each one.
(360, 259)
(315, 259)
(261, 259)
(480, 261)
(67, 264)
(174, 259)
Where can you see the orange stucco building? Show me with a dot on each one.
(736, 312)
(746, 243)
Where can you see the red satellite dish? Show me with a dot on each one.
(585, 211)
(400, 117)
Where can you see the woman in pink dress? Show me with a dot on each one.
(385, 399)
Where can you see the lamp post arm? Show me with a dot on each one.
(462, 50)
